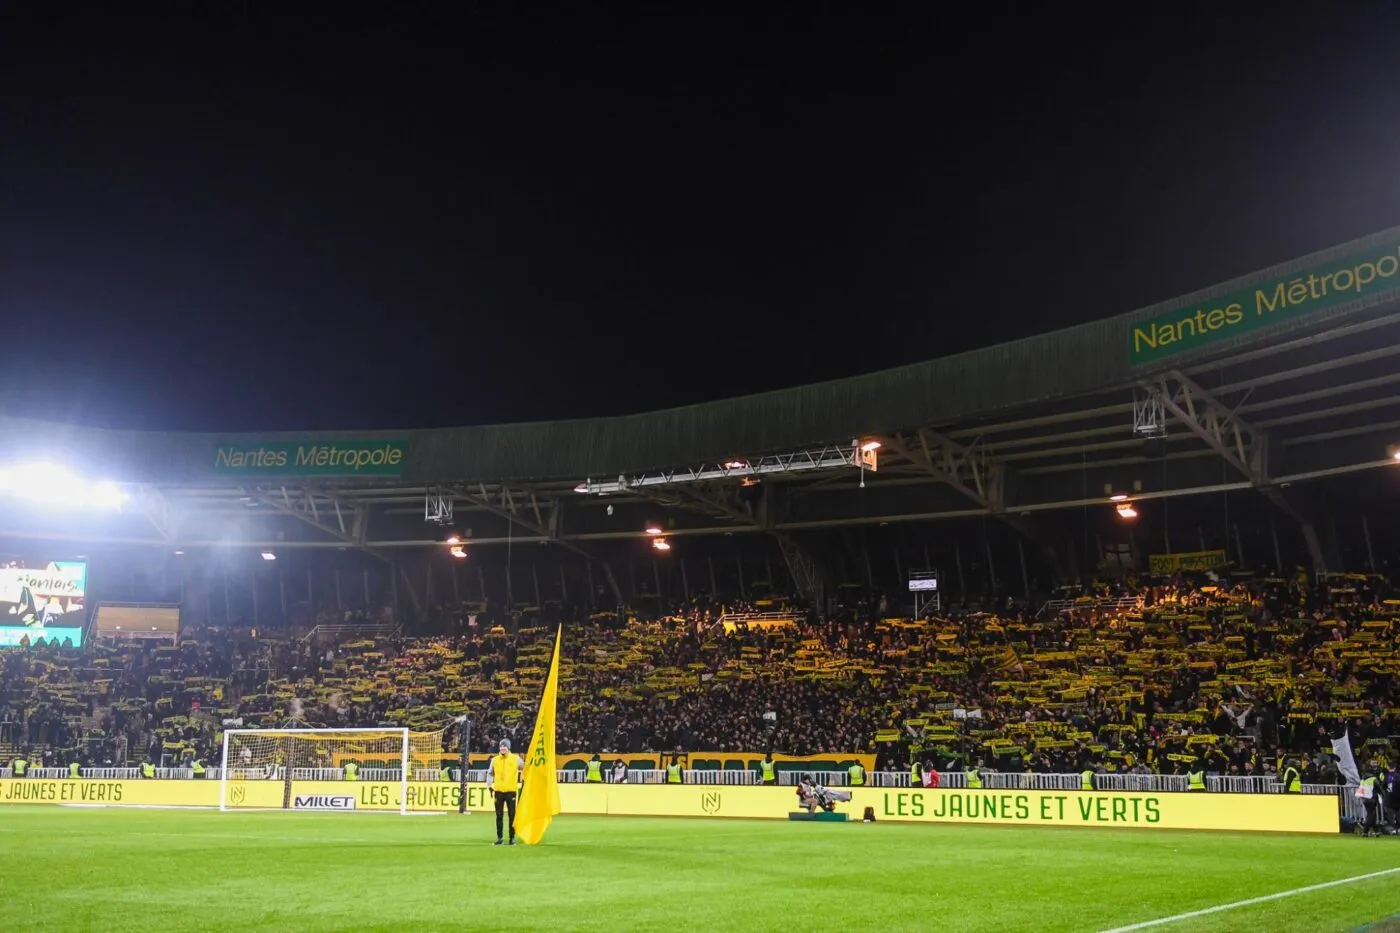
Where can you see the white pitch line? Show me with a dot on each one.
(1147, 924)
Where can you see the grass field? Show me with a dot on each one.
(109, 870)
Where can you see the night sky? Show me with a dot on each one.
(228, 221)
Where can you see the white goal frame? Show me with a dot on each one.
(402, 732)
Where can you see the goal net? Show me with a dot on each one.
(329, 769)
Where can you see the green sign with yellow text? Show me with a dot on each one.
(311, 458)
(1363, 273)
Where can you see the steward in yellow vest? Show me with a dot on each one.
(767, 770)
(1086, 780)
(19, 767)
(74, 770)
(595, 770)
(856, 775)
(352, 771)
(1292, 781)
(674, 774)
(1195, 781)
(148, 771)
(974, 779)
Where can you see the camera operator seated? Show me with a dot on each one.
(811, 795)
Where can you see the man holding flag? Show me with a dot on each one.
(505, 781)
(539, 798)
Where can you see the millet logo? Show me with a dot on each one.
(709, 802)
(323, 802)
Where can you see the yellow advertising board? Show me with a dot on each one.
(1288, 813)
(423, 796)
(111, 793)
(1296, 813)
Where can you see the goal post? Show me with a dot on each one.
(321, 769)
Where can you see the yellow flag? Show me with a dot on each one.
(539, 798)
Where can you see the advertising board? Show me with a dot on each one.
(1292, 813)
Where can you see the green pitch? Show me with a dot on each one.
(142, 870)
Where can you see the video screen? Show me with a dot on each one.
(42, 601)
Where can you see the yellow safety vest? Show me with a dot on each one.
(505, 774)
(197, 767)
(673, 774)
(768, 771)
(75, 771)
(1292, 783)
(857, 774)
(974, 780)
(352, 771)
(1196, 780)
(148, 770)
(19, 766)
(1086, 780)
(595, 772)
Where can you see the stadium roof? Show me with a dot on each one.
(1277, 377)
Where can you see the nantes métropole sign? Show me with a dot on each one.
(1361, 273)
(311, 458)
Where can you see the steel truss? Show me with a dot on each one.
(542, 520)
(831, 457)
(344, 521)
(968, 468)
(1239, 443)
(159, 510)
(325, 511)
(1243, 446)
(725, 502)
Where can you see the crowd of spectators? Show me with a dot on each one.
(1232, 675)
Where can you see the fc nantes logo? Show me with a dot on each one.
(237, 795)
(709, 802)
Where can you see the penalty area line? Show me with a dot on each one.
(1189, 915)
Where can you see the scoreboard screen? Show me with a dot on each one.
(45, 601)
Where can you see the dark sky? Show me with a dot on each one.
(229, 221)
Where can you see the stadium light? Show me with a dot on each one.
(268, 555)
(653, 528)
(1126, 511)
(1396, 454)
(54, 485)
(661, 544)
(868, 446)
(1118, 497)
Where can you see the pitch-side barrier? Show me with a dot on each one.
(1303, 813)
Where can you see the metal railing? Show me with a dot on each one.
(1054, 607)
(1240, 784)
(338, 630)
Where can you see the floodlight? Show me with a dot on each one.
(55, 485)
